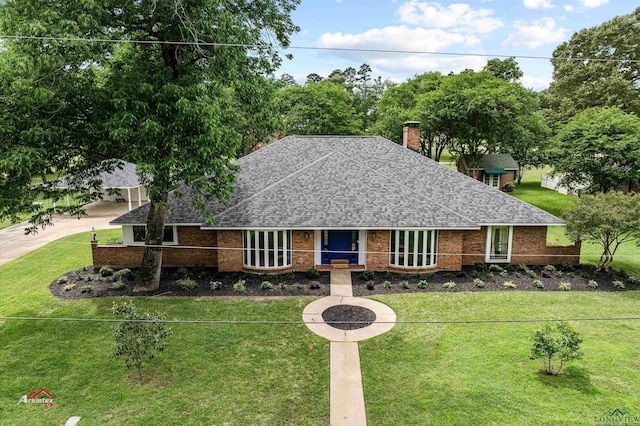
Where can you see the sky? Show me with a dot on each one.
(492, 27)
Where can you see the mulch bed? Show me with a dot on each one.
(348, 317)
(87, 282)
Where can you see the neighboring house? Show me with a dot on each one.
(496, 170)
(125, 179)
(365, 201)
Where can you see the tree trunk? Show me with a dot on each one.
(148, 277)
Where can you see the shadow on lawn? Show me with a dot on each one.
(572, 377)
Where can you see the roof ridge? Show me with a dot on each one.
(406, 186)
(276, 183)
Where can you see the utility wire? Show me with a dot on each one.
(338, 49)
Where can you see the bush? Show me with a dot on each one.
(62, 280)
(187, 284)
(314, 285)
(549, 268)
(556, 344)
(122, 273)
(69, 287)
(449, 284)
(509, 284)
(495, 268)
(567, 266)
(546, 274)
(478, 283)
(117, 285)
(298, 286)
(371, 285)
(564, 286)
(386, 284)
(215, 285)
(313, 272)
(106, 271)
(504, 274)
(592, 284)
(490, 275)
(531, 274)
(290, 276)
(182, 273)
(508, 187)
(88, 278)
(404, 284)
(282, 285)
(422, 284)
(368, 275)
(617, 284)
(78, 273)
(266, 285)
(538, 283)
(240, 287)
(558, 274)
(479, 266)
(86, 289)
(523, 267)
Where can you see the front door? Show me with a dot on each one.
(340, 245)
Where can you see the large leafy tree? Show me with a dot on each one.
(506, 69)
(167, 98)
(528, 142)
(599, 148)
(318, 109)
(597, 67)
(606, 219)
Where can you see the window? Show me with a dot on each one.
(412, 248)
(140, 231)
(493, 180)
(266, 249)
(499, 244)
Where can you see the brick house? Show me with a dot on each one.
(320, 200)
(496, 170)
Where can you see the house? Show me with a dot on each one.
(365, 201)
(496, 170)
(125, 179)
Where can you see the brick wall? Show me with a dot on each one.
(450, 246)
(378, 250)
(302, 256)
(473, 246)
(230, 253)
(530, 247)
(507, 178)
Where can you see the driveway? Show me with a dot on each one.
(13, 242)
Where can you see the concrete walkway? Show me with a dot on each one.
(13, 242)
(347, 407)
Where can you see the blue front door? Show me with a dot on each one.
(340, 245)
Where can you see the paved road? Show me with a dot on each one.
(13, 242)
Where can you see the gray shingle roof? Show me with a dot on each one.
(498, 161)
(125, 177)
(350, 182)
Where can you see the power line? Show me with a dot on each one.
(336, 49)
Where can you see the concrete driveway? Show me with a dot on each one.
(13, 242)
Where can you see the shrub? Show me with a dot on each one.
(404, 284)
(558, 274)
(187, 284)
(549, 268)
(88, 278)
(449, 284)
(78, 274)
(504, 274)
(564, 286)
(368, 275)
(62, 280)
(475, 274)
(531, 274)
(523, 267)
(389, 275)
(509, 284)
(106, 271)
(617, 284)
(290, 276)
(69, 287)
(478, 283)
(479, 266)
(137, 340)
(298, 286)
(371, 285)
(122, 273)
(461, 274)
(313, 272)
(495, 268)
(490, 275)
(422, 284)
(567, 266)
(546, 274)
(386, 284)
(538, 283)
(86, 289)
(282, 285)
(314, 285)
(215, 285)
(571, 274)
(240, 287)
(117, 285)
(592, 284)
(508, 187)
(517, 275)
(182, 273)
(266, 285)
(556, 344)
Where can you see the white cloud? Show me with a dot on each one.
(538, 33)
(460, 17)
(535, 83)
(409, 39)
(593, 3)
(568, 8)
(537, 4)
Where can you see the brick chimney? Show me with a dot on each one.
(411, 135)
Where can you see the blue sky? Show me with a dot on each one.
(505, 27)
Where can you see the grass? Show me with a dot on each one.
(209, 374)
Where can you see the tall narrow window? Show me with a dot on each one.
(267, 249)
(499, 244)
(412, 248)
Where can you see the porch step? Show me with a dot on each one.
(340, 263)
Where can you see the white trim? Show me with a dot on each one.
(523, 224)
(127, 236)
(428, 239)
(266, 250)
(314, 228)
(317, 247)
(362, 247)
(487, 254)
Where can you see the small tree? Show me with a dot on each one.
(556, 344)
(607, 220)
(136, 339)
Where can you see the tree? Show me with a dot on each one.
(166, 105)
(314, 78)
(528, 143)
(598, 148)
(286, 80)
(556, 344)
(595, 68)
(606, 219)
(506, 69)
(138, 336)
(318, 109)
